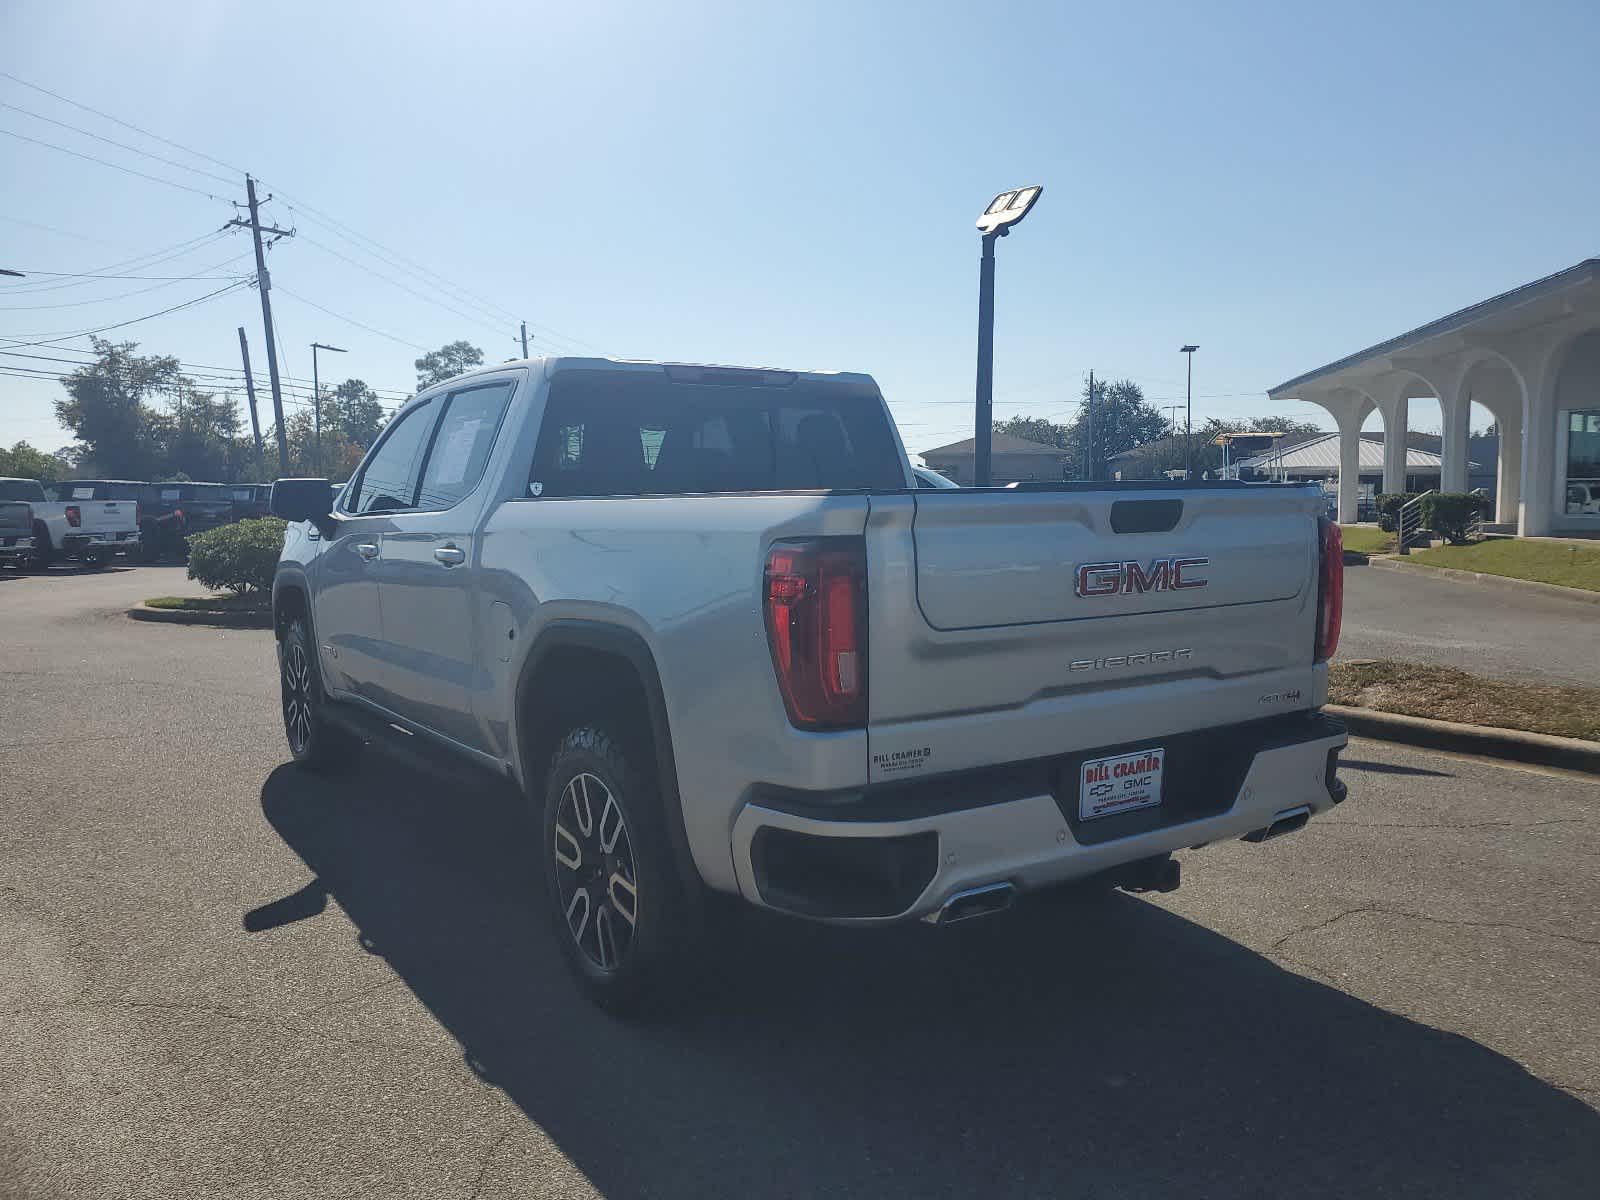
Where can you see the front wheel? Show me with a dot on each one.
(314, 740)
(620, 913)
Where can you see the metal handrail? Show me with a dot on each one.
(1409, 521)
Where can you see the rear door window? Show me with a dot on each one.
(632, 435)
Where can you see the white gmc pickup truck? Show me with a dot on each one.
(95, 531)
(708, 624)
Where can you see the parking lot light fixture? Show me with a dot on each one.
(316, 395)
(996, 221)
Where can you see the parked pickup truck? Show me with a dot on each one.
(16, 533)
(706, 622)
(95, 531)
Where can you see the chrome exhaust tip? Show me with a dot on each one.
(1289, 820)
(976, 902)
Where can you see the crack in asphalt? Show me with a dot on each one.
(1383, 910)
(488, 1159)
(1451, 824)
(210, 1010)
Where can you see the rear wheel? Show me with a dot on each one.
(621, 916)
(314, 740)
(44, 553)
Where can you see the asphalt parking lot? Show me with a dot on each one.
(222, 977)
(1413, 615)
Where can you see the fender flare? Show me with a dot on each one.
(566, 633)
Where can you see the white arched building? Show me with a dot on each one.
(1531, 356)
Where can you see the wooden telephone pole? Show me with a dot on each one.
(250, 390)
(264, 286)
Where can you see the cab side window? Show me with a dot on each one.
(461, 447)
(388, 481)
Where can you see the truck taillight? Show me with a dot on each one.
(815, 597)
(74, 516)
(1330, 589)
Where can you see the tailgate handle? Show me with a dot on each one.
(1145, 516)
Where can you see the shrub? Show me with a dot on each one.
(240, 558)
(1388, 504)
(1449, 513)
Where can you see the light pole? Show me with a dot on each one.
(1188, 414)
(316, 395)
(1004, 211)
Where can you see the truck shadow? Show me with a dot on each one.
(1111, 1048)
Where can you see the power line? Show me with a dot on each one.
(125, 295)
(351, 320)
(431, 278)
(107, 163)
(82, 237)
(171, 162)
(120, 121)
(141, 262)
(423, 296)
(198, 370)
(48, 339)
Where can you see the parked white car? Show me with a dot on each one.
(92, 530)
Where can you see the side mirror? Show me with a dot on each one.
(304, 500)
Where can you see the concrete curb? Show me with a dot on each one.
(1503, 582)
(1571, 754)
(220, 620)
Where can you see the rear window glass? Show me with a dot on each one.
(632, 435)
(21, 489)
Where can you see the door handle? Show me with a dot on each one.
(450, 556)
(367, 550)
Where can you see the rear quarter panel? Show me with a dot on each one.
(685, 575)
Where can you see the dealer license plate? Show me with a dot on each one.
(1120, 783)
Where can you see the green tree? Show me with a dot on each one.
(108, 408)
(355, 411)
(22, 461)
(1034, 429)
(1277, 424)
(447, 362)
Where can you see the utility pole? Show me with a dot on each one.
(264, 286)
(524, 339)
(250, 390)
(1088, 438)
(316, 393)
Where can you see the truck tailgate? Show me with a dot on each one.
(1020, 624)
(106, 516)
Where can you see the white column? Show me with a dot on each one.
(1395, 424)
(1349, 469)
(1508, 472)
(1457, 411)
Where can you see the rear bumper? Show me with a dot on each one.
(886, 855)
(110, 543)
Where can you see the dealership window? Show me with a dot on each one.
(1583, 463)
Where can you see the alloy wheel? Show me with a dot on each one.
(297, 697)
(595, 873)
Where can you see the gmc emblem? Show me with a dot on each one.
(1129, 578)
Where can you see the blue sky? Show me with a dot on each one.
(796, 184)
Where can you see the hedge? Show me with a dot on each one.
(1389, 504)
(239, 558)
(1449, 514)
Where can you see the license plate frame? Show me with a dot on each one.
(1119, 783)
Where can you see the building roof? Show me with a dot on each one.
(1585, 272)
(1003, 443)
(1322, 454)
